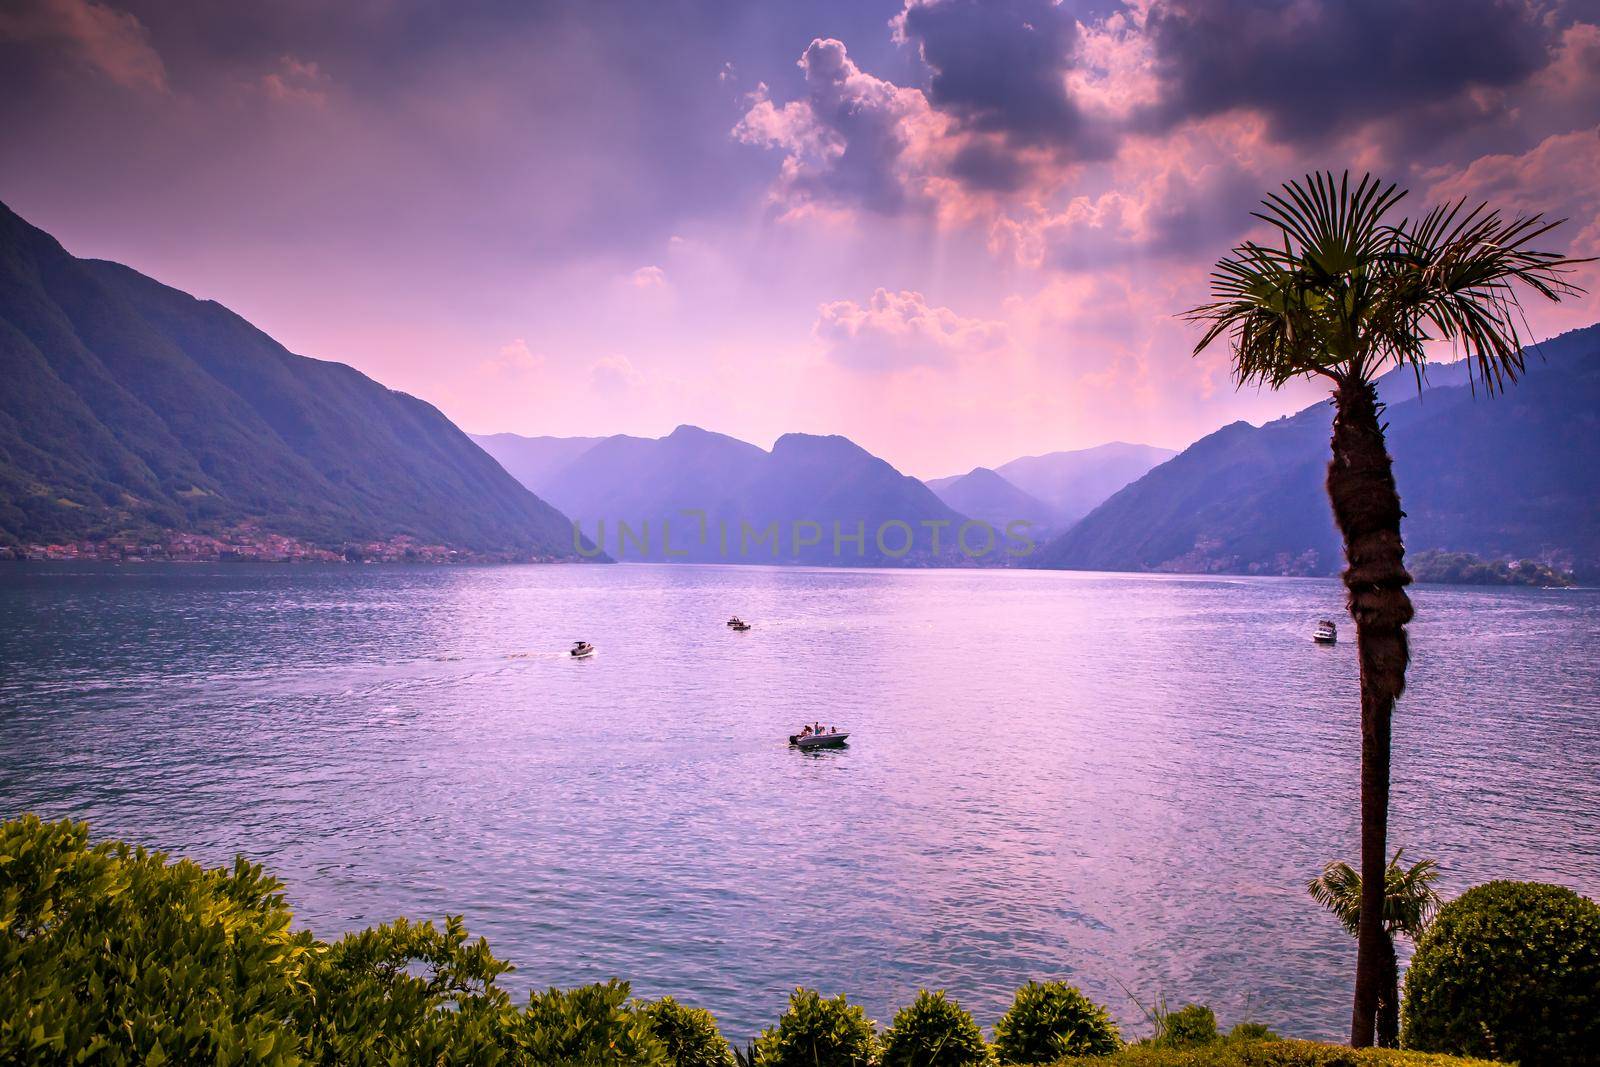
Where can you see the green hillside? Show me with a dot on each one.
(131, 408)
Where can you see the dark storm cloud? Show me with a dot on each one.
(1315, 67)
(1000, 66)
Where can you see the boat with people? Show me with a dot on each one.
(1326, 632)
(581, 650)
(817, 735)
(738, 624)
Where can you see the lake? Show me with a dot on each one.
(1124, 781)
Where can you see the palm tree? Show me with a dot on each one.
(1409, 901)
(1350, 293)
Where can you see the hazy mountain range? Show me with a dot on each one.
(1513, 475)
(128, 407)
(1055, 490)
(668, 482)
(721, 499)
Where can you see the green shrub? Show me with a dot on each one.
(592, 1025)
(933, 1031)
(111, 954)
(1051, 1020)
(690, 1035)
(1191, 1025)
(403, 992)
(1509, 970)
(1252, 1032)
(814, 1031)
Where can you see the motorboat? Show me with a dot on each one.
(581, 650)
(1326, 633)
(807, 741)
(738, 624)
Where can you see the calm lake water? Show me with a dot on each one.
(1124, 781)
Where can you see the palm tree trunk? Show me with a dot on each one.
(1389, 999)
(1366, 507)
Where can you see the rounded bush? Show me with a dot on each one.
(1188, 1027)
(1051, 1020)
(1509, 971)
(933, 1031)
(833, 1032)
(690, 1034)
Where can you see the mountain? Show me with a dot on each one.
(132, 409)
(725, 500)
(985, 494)
(1072, 484)
(1507, 476)
(530, 460)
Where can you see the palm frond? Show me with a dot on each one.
(1409, 898)
(1351, 292)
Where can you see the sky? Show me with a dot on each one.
(954, 231)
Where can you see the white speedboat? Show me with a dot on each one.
(806, 742)
(581, 650)
(1326, 633)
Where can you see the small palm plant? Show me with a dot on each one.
(1351, 292)
(1409, 904)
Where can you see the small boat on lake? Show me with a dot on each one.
(808, 739)
(1326, 633)
(738, 624)
(581, 650)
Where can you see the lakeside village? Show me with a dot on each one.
(246, 543)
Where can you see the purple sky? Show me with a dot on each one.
(957, 232)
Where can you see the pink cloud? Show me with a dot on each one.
(614, 375)
(297, 82)
(894, 331)
(114, 43)
(648, 278)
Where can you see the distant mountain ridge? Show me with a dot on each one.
(130, 408)
(1509, 476)
(1075, 483)
(725, 500)
(984, 494)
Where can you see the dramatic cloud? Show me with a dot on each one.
(406, 186)
(1000, 66)
(894, 331)
(114, 43)
(1314, 67)
(853, 138)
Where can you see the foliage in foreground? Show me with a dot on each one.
(933, 1031)
(114, 955)
(1050, 1020)
(111, 953)
(1509, 970)
(815, 1030)
(1409, 903)
(690, 1034)
(1272, 1053)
